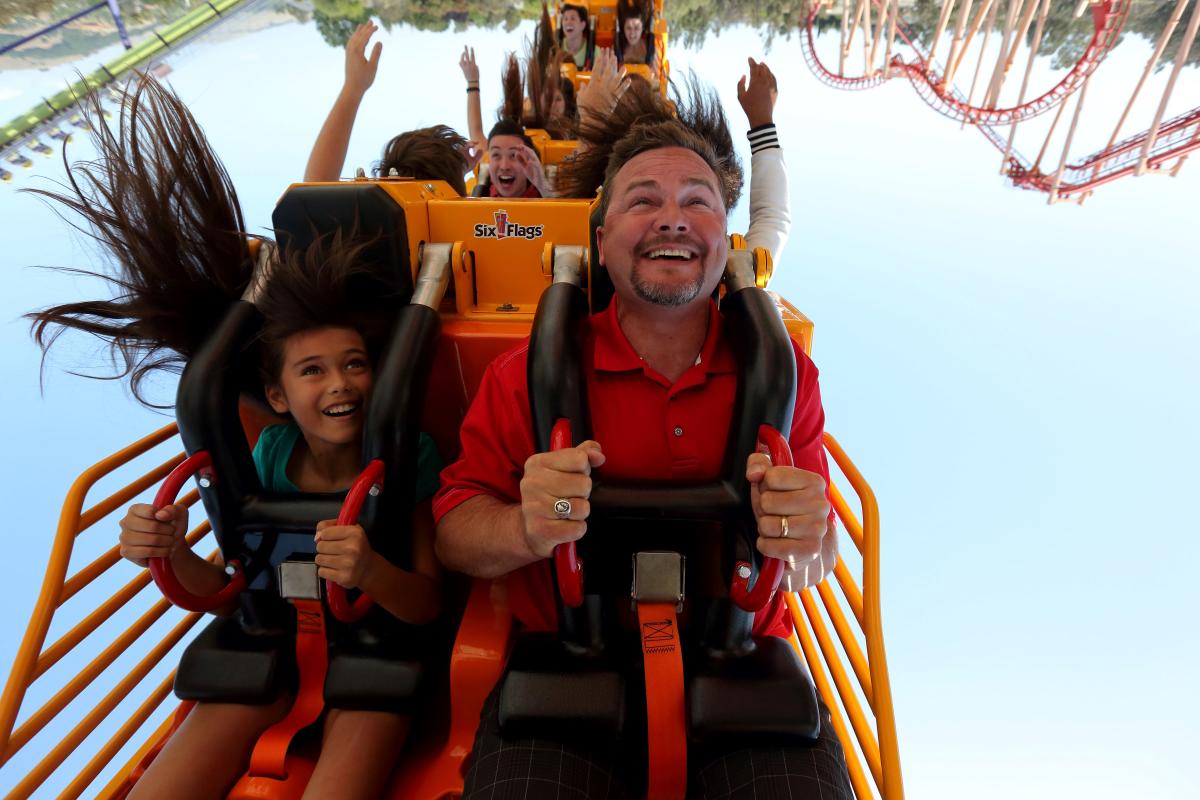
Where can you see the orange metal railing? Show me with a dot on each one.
(846, 695)
(867, 735)
(33, 659)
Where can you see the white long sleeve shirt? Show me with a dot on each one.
(770, 211)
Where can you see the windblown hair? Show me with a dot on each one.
(529, 89)
(437, 153)
(324, 285)
(544, 82)
(571, 112)
(160, 203)
(512, 97)
(642, 121)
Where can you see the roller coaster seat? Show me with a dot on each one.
(377, 662)
(497, 281)
(585, 680)
(604, 23)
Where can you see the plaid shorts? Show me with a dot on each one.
(548, 769)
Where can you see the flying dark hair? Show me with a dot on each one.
(437, 153)
(642, 121)
(539, 81)
(567, 88)
(320, 286)
(544, 82)
(512, 96)
(160, 203)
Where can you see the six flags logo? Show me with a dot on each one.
(503, 229)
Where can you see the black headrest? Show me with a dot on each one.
(766, 391)
(305, 212)
(600, 288)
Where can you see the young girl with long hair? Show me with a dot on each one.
(159, 201)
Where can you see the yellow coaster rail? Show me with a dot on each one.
(33, 660)
(877, 744)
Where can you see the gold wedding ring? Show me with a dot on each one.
(783, 524)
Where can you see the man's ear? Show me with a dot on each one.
(600, 244)
(277, 399)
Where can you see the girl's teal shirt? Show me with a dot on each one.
(274, 450)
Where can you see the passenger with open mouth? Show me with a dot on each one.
(635, 42)
(514, 167)
(573, 29)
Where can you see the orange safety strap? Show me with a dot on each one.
(666, 724)
(312, 662)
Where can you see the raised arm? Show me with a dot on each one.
(770, 210)
(470, 71)
(607, 83)
(329, 153)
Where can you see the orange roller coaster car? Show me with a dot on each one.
(500, 255)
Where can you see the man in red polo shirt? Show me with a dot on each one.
(661, 384)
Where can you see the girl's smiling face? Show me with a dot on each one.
(324, 384)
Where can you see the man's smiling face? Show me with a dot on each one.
(663, 239)
(572, 24)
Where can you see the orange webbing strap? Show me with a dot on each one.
(312, 662)
(666, 724)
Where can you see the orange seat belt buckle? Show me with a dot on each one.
(299, 585)
(658, 595)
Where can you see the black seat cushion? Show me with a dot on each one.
(763, 694)
(225, 663)
(378, 664)
(550, 691)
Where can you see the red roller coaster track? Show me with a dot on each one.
(1174, 139)
(1107, 20)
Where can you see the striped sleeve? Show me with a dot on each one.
(762, 138)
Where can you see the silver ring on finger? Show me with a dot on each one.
(562, 508)
(783, 527)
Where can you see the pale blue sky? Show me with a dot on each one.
(1010, 377)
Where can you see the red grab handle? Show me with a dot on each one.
(753, 599)
(567, 565)
(368, 483)
(161, 569)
